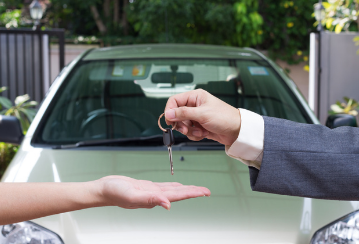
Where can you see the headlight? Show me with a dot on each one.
(26, 233)
(343, 230)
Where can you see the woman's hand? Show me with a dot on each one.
(130, 193)
(25, 201)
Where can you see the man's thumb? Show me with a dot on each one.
(182, 113)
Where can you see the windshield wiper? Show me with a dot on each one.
(108, 142)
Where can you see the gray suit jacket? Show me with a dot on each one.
(308, 160)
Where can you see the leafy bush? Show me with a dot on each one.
(341, 15)
(7, 152)
(11, 18)
(350, 106)
(286, 28)
(22, 109)
(280, 26)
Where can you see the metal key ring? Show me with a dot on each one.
(159, 123)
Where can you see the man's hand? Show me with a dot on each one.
(130, 193)
(200, 115)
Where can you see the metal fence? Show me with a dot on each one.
(25, 61)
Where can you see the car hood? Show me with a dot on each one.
(232, 214)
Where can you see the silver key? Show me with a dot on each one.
(169, 140)
(171, 162)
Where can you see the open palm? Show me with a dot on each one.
(130, 193)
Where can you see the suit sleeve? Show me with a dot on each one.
(308, 160)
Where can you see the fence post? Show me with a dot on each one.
(27, 68)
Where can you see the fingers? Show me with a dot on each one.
(186, 192)
(193, 130)
(182, 101)
(170, 192)
(130, 193)
(183, 113)
(165, 184)
(190, 99)
(149, 200)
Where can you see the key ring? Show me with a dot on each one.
(159, 123)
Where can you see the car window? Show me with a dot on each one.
(110, 99)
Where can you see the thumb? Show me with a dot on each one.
(162, 201)
(183, 113)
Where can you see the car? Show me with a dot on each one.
(100, 117)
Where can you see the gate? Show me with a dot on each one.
(25, 61)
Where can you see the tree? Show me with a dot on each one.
(280, 26)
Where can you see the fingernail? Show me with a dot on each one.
(180, 130)
(165, 205)
(197, 133)
(170, 114)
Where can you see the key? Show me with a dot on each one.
(169, 140)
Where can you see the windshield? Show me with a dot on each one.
(112, 99)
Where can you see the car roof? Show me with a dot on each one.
(171, 51)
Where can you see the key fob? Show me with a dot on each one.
(168, 138)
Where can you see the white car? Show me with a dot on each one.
(100, 118)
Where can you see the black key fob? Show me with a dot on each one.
(168, 138)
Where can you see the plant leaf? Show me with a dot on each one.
(10, 111)
(346, 99)
(326, 5)
(329, 22)
(353, 112)
(338, 28)
(5, 102)
(4, 88)
(30, 104)
(336, 108)
(21, 99)
(29, 113)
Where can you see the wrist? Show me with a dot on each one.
(95, 193)
(236, 125)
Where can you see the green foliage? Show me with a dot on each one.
(2, 7)
(25, 113)
(248, 23)
(73, 15)
(192, 21)
(280, 26)
(10, 18)
(7, 152)
(341, 15)
(22, 109)
(286, 29)
(348, 107)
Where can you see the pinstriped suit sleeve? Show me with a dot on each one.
(308, 160)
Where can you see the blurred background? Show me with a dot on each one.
(278, 28)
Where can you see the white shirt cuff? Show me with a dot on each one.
(248, 148)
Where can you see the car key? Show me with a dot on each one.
(169, 140)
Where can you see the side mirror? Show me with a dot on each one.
(10, 130)
(337, 120)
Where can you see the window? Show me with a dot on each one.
(124, 98)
